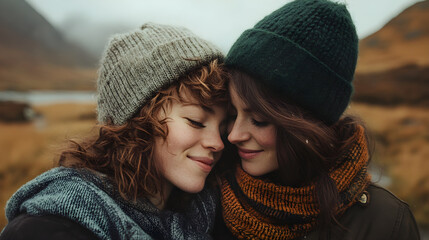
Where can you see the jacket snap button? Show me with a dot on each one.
(364, 198)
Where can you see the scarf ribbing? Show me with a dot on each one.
(255, 208)
(91, 200)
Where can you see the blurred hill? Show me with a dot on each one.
(403, 40)
(393, 64)
(36, 56)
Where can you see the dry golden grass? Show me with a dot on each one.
(402, 140)
(29, 149)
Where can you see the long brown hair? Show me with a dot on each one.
(125, 153)
(307, 148)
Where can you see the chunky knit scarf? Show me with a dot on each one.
(89, 199)
(257, 209)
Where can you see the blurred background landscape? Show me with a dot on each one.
(48, 72)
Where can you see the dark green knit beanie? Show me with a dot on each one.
(306, 50)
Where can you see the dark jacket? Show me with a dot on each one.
(45, 228)
(383, 216)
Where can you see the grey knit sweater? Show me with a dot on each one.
(90, 200)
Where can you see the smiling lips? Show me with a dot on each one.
(248, 154)
(205, 163)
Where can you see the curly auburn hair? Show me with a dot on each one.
(125, 153)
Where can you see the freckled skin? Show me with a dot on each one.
(187, 140)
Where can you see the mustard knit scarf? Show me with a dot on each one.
(257, 209)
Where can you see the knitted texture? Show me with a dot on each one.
(90, 200)
(307, 51)
(137, 64)
(254, 208)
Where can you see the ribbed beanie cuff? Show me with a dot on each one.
(303, 84)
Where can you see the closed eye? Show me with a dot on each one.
(259, 123)
(195, 123)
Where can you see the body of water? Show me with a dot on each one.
(48, 97)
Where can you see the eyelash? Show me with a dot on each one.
(195, 123)
(254, 122)
(258, 123)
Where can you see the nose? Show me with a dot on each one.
(238, 133)
(213, 141)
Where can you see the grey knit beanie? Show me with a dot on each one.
(137, 64)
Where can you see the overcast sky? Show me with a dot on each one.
(220, 21)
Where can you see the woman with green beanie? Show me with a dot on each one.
(302, 169)
(160, 104)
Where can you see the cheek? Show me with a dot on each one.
(180, 136)
(267, 137)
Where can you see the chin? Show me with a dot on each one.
(253, 169)
(192, 187)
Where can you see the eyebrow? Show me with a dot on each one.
(207, 109)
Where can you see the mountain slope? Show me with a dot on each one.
(403, 40)
(393, 64)
(35, 55)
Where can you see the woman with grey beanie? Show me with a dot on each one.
(161, 108)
